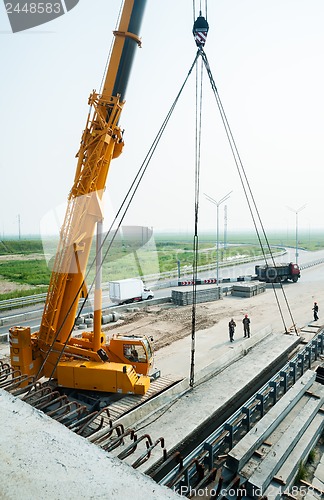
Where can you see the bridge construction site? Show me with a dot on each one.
(214, 391)
(258, 398)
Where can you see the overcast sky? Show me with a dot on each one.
(267, 61)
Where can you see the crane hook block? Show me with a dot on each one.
(200, 30)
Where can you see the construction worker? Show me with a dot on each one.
(231, 329)
(246, 326)
(315, 309)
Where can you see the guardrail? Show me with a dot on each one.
(311, 264)
(28, 300)
(153, 278)
(6, 305)
(22, 301)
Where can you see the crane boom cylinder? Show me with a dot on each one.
(126, 42)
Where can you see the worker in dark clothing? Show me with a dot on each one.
(315, 309)
(231, 329)
(246, 326)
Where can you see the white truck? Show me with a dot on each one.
(128, 291)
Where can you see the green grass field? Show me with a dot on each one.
(125, 259)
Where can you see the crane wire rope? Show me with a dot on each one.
(198, 118)
(196, 212)
(119, 217)
(247, 189)
(194, 9)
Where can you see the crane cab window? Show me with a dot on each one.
(135, 353)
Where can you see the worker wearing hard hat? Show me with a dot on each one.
(246, 326)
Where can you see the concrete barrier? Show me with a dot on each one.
(18, 318)
(141, 304)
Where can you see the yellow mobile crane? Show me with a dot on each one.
(122, 364)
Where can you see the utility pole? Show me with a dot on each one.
(296, 212)
(217, 203)
(19, 232)
(225, 227)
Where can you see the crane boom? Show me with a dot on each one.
(101, 142)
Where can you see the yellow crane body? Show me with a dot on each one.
(92, 361)
(103, 377)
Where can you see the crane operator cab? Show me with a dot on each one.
(133, 350)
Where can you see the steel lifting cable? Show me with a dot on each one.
(200, 29)
(245, 182)
(195, 240)
(246, 187)
(120, 215)
(194, 8)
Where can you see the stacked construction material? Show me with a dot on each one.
(248, 289)
(184, 297)
(269, 456)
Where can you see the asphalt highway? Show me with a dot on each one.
(234, 271)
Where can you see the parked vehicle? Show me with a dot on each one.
(128, 291)
(278, 272)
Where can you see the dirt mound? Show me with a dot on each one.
(171, 323)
